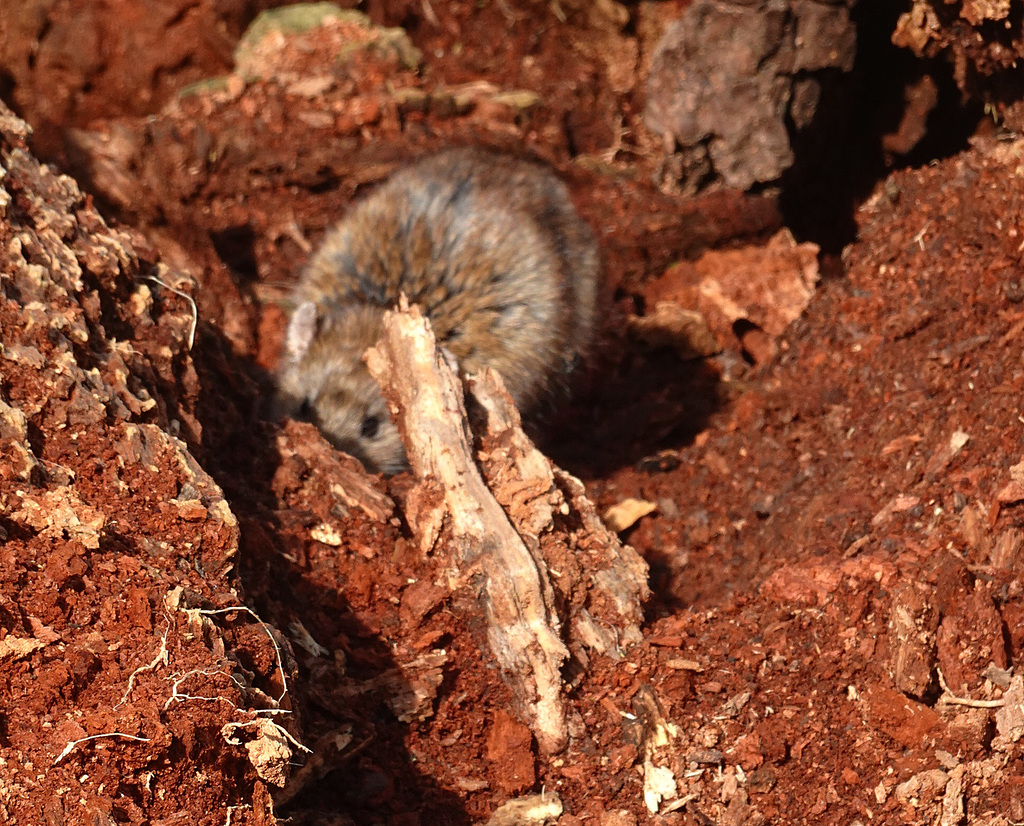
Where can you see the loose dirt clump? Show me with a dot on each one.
(65, 64)
(127, 649)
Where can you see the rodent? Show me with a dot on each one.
(490, 247)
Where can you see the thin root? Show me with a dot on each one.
(950, 698)
(188, 298)
(273, 642)
(71, 746)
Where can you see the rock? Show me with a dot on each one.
(726, 76)
(258, 54)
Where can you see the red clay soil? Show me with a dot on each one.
(837, 540)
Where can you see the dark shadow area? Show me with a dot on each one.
(379, 781)
(646, 403)
(236, 248)
(7, 84)
(743, 327)
(865, 125)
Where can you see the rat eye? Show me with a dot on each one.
(368, 429)
(306, 412)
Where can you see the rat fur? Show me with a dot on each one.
(496, 256)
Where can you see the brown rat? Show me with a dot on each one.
(494, 253)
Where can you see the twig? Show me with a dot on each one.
(430, 14)
(678, 803)
(950, 698)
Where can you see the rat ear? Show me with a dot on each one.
(301, 330)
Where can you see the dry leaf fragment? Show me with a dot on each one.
(326, 534)
(659, 784)
(627, 513)
(17, 647)
(898, 504)
(531, 809)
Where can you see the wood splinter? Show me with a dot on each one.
(497, 545)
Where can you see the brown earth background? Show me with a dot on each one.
(210, 618)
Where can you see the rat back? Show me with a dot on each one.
(489, 246)
(494, 253)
